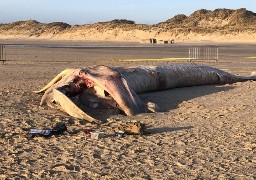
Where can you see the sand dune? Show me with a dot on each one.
(220, 25)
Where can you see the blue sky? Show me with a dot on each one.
(91, 11)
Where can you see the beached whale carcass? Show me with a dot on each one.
(95, 93)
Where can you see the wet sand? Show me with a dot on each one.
(206, 132)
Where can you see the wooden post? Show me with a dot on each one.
(2, 54)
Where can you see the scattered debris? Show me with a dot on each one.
(97, 135)
(58, 129)
(87, 131)
(40, 132)
(132, 128)
(120, 134)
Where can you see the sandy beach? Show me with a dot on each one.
(206, 132)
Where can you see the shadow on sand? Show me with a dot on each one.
(167, 129)
(170, 99)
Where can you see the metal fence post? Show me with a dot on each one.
(203, 53)
(189, 54)
(1, 53)
(217, 58)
